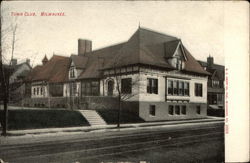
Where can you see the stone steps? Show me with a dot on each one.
(93, 117)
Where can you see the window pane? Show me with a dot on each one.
(186, 89)
(126, 85)
(170, 87)
(155, 87)
(183, 109)
(175, 88)
(181, 88)
(177, 109)
(198, 89)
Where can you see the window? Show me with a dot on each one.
(175, 87)
(186, 88)
(37, 91)
(34, 91)
(215, 83)
(219, 97)
(198, 89)
(152, 86)
(181, 88)
(198, 109)
(72, 72)
(90, 88)
(170, 87)
(177, 109)
(178, 88)
(126, 85)
(178, 64)
(110, 87)
(95, 88)
(152, 110)
(41, 90)
(56, 90)
(183, 109)
(171, 110)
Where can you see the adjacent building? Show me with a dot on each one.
(16, 73)
(215, 85)
(155, 74)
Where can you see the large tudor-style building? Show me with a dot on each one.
(156, 75)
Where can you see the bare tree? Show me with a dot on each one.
(6, 32)
(124, 96)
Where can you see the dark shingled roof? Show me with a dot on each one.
(144, 47)
(79, 61)
(55, 70)
(152, 48)
(98, 59)
(217, 71)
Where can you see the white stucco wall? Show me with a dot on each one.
(66, 89)
(139, 89)
(134, 96)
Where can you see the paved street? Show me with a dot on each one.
(201, 142)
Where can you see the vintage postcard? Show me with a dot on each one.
(124, 82)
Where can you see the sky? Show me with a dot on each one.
(200, 26)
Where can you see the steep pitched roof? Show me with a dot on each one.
(98, 59)
(152, 48)
(55, 70)
(79, 61)
(216, 70)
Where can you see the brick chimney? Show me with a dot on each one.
(28, 61)
(84, 46)
(210, 62)
(13, 62)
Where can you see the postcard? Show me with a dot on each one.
(124, 82)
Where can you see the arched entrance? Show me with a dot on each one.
(110, 87)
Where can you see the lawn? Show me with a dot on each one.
(110, 116)
(37, 119)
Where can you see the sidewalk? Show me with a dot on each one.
(105, 127)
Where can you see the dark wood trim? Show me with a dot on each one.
(177, 77)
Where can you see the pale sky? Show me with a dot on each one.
(200, 26)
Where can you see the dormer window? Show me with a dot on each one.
(176, 63)
(72, 72)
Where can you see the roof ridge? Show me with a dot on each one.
(55, 55)
(157, 32)
(106, 47)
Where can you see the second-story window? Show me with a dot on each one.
(198, 89)
(175, 87)
(72, 72)
(181, 88)
(186, 88)
(152, 86)
(170, 87)
(126, 85)
(178, 88)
